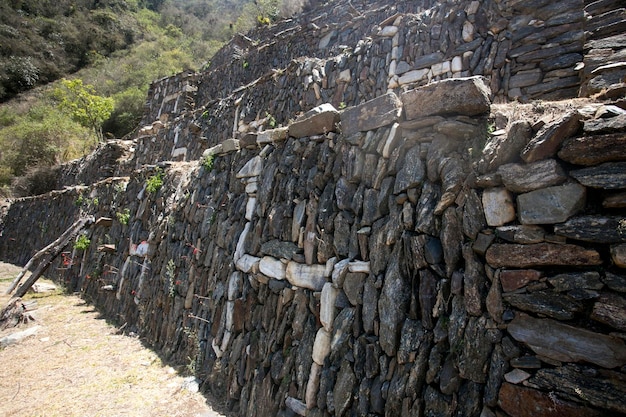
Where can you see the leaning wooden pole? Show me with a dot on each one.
(45, 256)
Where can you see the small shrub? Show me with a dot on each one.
(123, 217)
(155, 182)
(207, 162)
(82, 242)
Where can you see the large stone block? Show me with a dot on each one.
(318, 121)
(466, 96)
(540, 254)
(551, 204)
(381, 111)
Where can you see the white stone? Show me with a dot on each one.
(330, 265)
(339, 272)
(396, 40)
(248, 264)
(235, 285)
(250, 208)
(230, 310)
(413, 76)
(394, 136)
(321, 346)
(393, 82)
(230, 145)
(498, 206)
(392, 68)
(344, 76)
(312, 386)
(239, 249)
(445, 67)
(359, 266)
(389, 31)
(296, 406)
(225, 340)
(179, 152)
(457, 64)
(468, 31)
(472, 8)
(252, 168)
(215, 150)
(252, 187)
(272, 268)
(326, 39)
(516, 376)
(327, 305)
(312, 277)
(17, 337)
(395, 53)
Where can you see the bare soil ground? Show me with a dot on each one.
(76, 365)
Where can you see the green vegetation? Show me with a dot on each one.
(155, 182)
(123, 216)
(81, 69)
(82, 242)
(207, 162)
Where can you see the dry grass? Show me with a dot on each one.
(77, 366)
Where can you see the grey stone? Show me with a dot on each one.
(522, 178)
(412, 172)
(473, 215)
(594, 150)
(615, 282)
(574, 280)
(381, 111)
(608, 176)
(370, 300)
(451, 238)
(353, 287)
(540, 254)
(342, 391)
(505, 148)
(474, 282)
(597, 229)
(320, 120)
(565, 343)
(612, 124)
(548, 140)
(547, 303)
(427, 297)
(466, 96)
(279, 249)
(392, 304)
(498, 206)
(410, 339)
(498, 366)
(522, 233)
(551, 204)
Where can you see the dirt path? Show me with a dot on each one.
(75, 365)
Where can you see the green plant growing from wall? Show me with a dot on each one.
(207, 162)
(271, 120)
(82, 242)
(123, 216)
(155, 182)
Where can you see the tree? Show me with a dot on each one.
(84, 105)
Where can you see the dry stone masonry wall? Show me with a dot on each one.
(366, 229)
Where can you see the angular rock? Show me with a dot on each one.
(427, 297)
(521, 233)
(518, 401)
(451, 238)
(318, 121)
(608, 176)
(248, 264)
(610, 309)
(597, 229)
(411, 337)
(522, 178)
(610, 125)
(252, 168)
(381, 111)
(548, 140)
(618, 255)
(576, 280)
(551, 205)
(474, 282)
(497, 368)
(296, 406)
(412, 173)
(503, 149)
(473, 215)
(353, 287)
(594, 150)
(565, 343)
(476, 350)
(466, 96)
(392, 304)
(312, 277)
(615, 282)
(540, 254)
(272, 135)
(493, 302)
(514, 279)
(342, 391)
(279, 249)
(547, 303)
(601, 390)
(272, 268)
(498, 206)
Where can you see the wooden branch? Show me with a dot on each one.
(47, 255)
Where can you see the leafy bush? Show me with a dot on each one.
(155, 182)
(123, 216)
(82, 242)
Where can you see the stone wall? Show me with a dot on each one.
(354, 53)
(374, 261)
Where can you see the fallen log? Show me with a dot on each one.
(46, 256)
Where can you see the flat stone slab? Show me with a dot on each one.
(548, 140)
(502, 255)
(381, 111)
(608, 176)
(466, 96)
(522, 178)
(521, 401)
(597, 229)
(594, 150)
(565, 343)
(318, 121)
